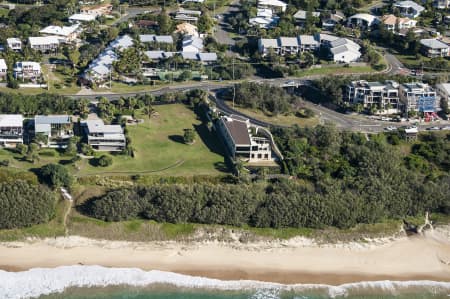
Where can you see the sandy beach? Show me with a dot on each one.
(299, 260)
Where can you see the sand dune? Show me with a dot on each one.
(293, 261)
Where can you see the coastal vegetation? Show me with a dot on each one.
(23, 204)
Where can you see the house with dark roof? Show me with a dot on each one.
(242, 140)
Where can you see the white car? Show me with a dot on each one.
(390, 128)
(447, 128)
(433, 129)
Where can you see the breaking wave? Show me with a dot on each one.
(44, 281)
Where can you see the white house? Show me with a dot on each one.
(101, 68)
(409, 8)
(3, 69)
(192, 44)
(27, 70)
(344, 50)
(44, 43)
(82, 18)
(65, 33)
(14, 44)
(11, 130)
(362, 20)
(101, 137)
(395, 24)
(273, 4)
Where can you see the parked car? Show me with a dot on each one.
(434, 129)
(390, 128)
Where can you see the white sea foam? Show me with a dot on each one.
(44, 281)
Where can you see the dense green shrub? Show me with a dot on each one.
(22, 204)
(56, 175)
(104, 161)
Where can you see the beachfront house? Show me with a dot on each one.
(56, 130)
(81, 18)
(243, 140)
(11, 130)
(101, 137)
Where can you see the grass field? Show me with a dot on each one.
(333, 70)
(282, 120)
(159, 148)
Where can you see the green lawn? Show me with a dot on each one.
(159, 148)
(333, 70)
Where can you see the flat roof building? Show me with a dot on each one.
(101, 137)
(57, 128)
(11, 130)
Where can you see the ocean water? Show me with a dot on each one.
(96, 282)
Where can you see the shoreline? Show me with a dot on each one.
(288, 262)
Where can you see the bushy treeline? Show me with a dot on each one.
(342, 179)
(37, 104)
(23, 204)
(265, 97)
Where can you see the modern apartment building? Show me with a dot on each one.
(383, 96)
(418, 97)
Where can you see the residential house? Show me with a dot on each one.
(301, 15)
(441, 4)
(325, 39)
(264, 18)
(27, 70)
(204, 57)
(397, 25)
(82, 18)
(329, 22)
(11, 130)
(384, 97)
(287, 45)
(98, 10)
(58, 129)
(443, 91)
(3, 69)
(363, 21)
(265, 45)
(432, 48)
(409, 8)
(150, 38)
(14, 44)
(418, 96)
(273, 4)
(44, 44)
(240, 142)
(101, 137)
(100, 68)
(66, 34)
(308, 43)
(187, 15)
(192, 43)
(146, 24)
(344, 50)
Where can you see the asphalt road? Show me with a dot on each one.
(221, 33)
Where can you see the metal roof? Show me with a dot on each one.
(98, 126)
(238, 131)
(11, 120)
(52, 119)
(433, 43)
